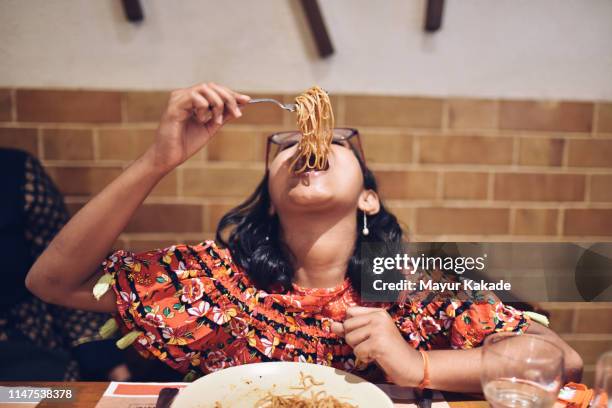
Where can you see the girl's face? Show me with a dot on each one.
(338, 187)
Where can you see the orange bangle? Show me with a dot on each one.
(425, 381)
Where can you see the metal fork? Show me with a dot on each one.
(291, 107)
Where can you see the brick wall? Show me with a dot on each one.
(456, 169)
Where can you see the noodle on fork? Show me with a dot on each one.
(315, 119)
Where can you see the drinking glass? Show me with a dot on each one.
(603, 382)
(521, 370)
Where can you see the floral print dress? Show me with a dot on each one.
(194, 309)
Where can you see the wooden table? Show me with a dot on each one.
(87, 395)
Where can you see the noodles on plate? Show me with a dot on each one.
(317, 399)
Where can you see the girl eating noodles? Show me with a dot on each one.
(281, 281)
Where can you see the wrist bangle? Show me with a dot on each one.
(425, 381)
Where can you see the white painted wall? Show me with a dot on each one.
(504, 48)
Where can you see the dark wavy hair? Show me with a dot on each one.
(255, 244)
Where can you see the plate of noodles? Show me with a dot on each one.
(281, 385)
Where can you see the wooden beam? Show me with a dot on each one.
(317, 27)
(133, 10)
(433, 15)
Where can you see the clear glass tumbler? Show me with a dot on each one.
(521, 370)
(603, 382)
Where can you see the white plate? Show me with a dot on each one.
(242, 386)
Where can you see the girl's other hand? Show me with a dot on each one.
(374, 336)
(192, 117)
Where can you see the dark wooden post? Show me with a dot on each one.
(433, 15)
(317, 27)
(133, 10)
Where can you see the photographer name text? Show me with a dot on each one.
(466, 285)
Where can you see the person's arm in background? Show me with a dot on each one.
(68, 269)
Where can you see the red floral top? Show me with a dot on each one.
(194, 309)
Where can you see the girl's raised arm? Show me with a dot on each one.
(67, 270)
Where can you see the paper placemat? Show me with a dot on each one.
(133, 394)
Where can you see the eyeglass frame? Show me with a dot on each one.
(353, 132)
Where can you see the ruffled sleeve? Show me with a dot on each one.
(476, 319)
(169, 301)
(451, 320)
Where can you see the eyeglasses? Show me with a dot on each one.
(277, 142)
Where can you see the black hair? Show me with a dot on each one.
(256, 246)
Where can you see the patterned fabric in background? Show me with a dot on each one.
(35, 209)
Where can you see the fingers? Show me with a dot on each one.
(205, 102)
(363, 352)
(361, 310)
(214, 100)
(229, 100)
(358, 336)
(356, 332)
(193, 102)
(201, 107)
(180, 105)
(357, 317)
(337, 328)
(241, 98)
(360, 322)
(368, 330)
(355, 323)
